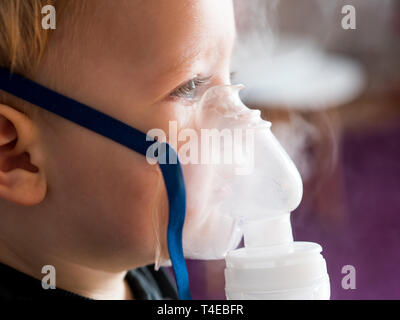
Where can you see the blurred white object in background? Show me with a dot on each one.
(296, 74)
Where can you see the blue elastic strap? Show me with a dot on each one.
(125, 135)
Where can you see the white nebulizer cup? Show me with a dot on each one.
(248, 187)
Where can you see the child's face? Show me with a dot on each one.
(126, 59)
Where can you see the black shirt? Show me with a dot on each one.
(145, 283)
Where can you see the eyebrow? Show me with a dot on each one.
(186, 60)
(182, 63)
(178, 70)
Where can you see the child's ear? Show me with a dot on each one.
(22, 180)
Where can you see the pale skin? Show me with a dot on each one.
(73, 199)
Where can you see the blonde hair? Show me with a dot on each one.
(22, 39)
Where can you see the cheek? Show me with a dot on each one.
(127, 199)
(111, 192)
(125, 196)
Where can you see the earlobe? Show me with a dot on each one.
(22, 180)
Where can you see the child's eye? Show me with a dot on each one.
(189, 89)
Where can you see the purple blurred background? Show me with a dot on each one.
(364, 232)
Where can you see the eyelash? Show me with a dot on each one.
(188, 90)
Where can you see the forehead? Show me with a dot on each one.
(164, 34)
(132, 52)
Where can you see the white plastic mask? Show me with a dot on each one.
(246, 184)
(242, 174)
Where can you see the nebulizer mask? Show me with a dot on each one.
(240, 181)
(232, 178)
